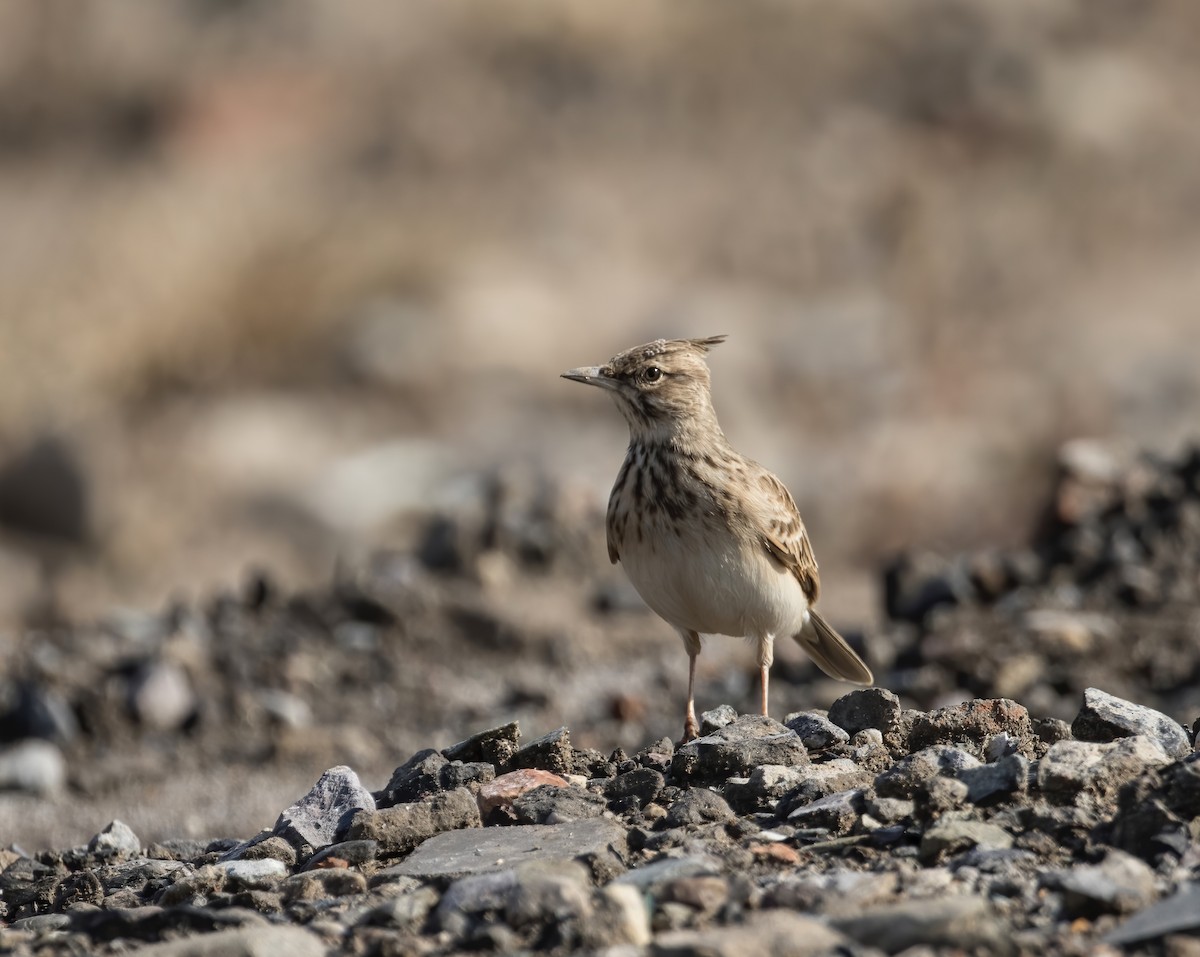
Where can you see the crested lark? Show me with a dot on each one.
(711, 540)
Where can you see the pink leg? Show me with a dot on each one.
(765, 672)
(691, 727)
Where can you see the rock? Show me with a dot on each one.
(1179, 913)
(698, 806)
(765, 786)
(1155, 810)
(459, 853)
(254, 941)
(837, 812)
(816, 731)
(323, 884)
(548, 893)
(1072, 771)
(772, 933)
(914, 584)
(706, 894)
(352, 853)
(495, 746)
(961, 923)
(556, 805)
(971, 725)
(161, 696)
(117, 838)
(42, 923)
(991, 783)
(1105, 717)
(906, 775)
(272, 846)
(254, 874)
(324, 814)
(401, 828)
(648, 878)
(551, 752)
(416, 778)
(644, 784)
(657, 756)
(33, 766)
(38, 712)
(407, 911)
(866, 708)
(717, 718)
(949, 836)
(44, 492)
(737, 748)
(1119, 884)
(504, 790)
(619, 916)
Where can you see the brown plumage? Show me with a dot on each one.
(712, 541)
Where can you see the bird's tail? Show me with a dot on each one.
(830, 651)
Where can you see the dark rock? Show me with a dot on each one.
(1119, 884)
(972, 724)
(657, 756)
(551, 752)
(644, 784)
(44, 493)
(555, 805)
(1154, 810)
(735, 749)
(816, 731)
(866, 708)
(407, 912)
(1179, 913)
(322, 884)
(1051, 730)
(323, 815)
(962, 922)
(272, 846)
(38, 712)
(838, 813)
(903, 779)
(998, 781)
(352, 853)
(459, 853)
(495, 746)
(698, 806)
(914, 584)
(416, 778)
(400, 828)
(548, 893)
(1105, 717)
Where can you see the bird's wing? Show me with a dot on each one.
(781, 529)
(613, 555)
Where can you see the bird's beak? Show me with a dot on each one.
(591, 375)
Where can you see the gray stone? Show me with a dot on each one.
(961, 923)
(416, 778)
(255, 941)
(717, 718)
(763, 789)
(161, 696)
(553, 805)
(1071, 768)
(495, 746)
(837, 812)
(772, 933)
(971, 725)
(551, 752)
(649, 877)
(352, 852)
(698, 806)
(262, 873)
(407, 911)
(619, 916)
(1119, 884)
(736, 749)
(324, 814)
(1179, 913)
(866, 708)
(399, 829)
(117, 838)
(323, 884)
(42, 923)
(548, 892)
(951, 835)
(33, 766)
(459, 853)
(816, 731)
(904, 778)
(821, 780)
(1105, 717)
(995, 782)
(645, 784)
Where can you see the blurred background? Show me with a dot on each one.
(279, 281)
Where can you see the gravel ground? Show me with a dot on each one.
(1022, 781)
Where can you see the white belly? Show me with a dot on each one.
(714, 587)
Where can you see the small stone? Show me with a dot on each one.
(550, 804)
(699, 806)
(323, 815)
(548, 893)
(971, 724)
(458, 853)
(949, 836)
(416, 778)
(1179, 913)
(644, 784)
(495, 746)
(1105, 717)
(323, 884)
(255, 874)
(704, 893)
(717, 718)
(995, 782)
(736, 749)
(504, 790)
(401, 828)
(33, 766)
(866, 708)
(352, 853)
(1119, 884)
(961, 923)
(648, 878)
(906, 775)
(161, 696)
(252, 941)
(551, 752)
(771, 933)
(619, 916)
(117, 838)
(837, 812)
(1071, 768)
(407, 911)
(657, 756)
(816, 731)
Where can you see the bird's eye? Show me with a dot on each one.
(653, 374)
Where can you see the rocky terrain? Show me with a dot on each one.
(1023, 781)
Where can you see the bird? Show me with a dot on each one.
(711, 540)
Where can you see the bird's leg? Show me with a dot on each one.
(766, 655)
(691, 727)
(765, 672)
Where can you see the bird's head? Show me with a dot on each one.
(660, 388)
